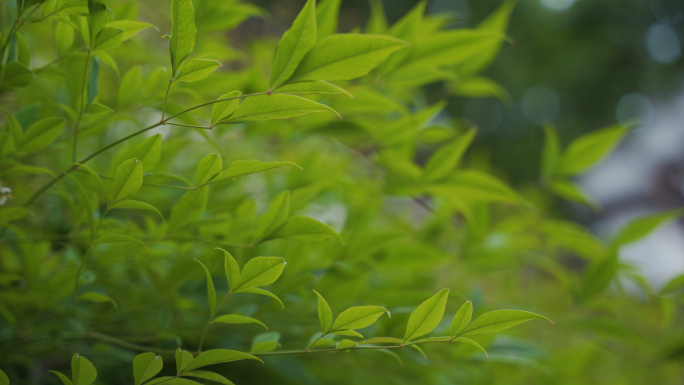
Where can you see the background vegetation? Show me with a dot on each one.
(394, 202)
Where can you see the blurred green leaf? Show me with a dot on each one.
(589, 149)
(211, 291)
(643, 226)
(136, 205)
(92, 296)
(305, 228)
(208, 168)
(41, 133)
(224, 110)
(445, 159)
(345, 57)
(326, 17)
(209, 376)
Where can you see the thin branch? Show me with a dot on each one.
(80, 112)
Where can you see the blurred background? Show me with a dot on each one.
(579, 65)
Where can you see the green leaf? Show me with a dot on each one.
(294, 45)
(218, 356)
(345, 344)
(320, 87)
(209, 376)
(13, 213)
(418, 348)
(211, 291)
(65, 379)
(348, 333)
(265, 342)
(188, 209)
(130, 27)
(108, 38)
(324, 313)
(454, 47)
(496, 22)
(357, 317)
(426, 316)
(326, 17)
(599, 275)
(572, 192)
(274, 217)
(183, 359)
(498, 320)
(95, 109)
(4, 380)
(208, 168)
(16, 75)
(481, 87)
(98, 14)
(183, 31)
(256, 290)
(26, 170)
(444, 160)
(92, 296)
(98, 181)
(475, 186)
(148, 151)
(136, 205)
(41, 133)
(232, 269)
(261, 271)
(643, 226)
(146, 366)
(305, 228)
(237, 319)
(346, 57)
(472, 343)
(127, 179)
(377, 22)
(92, 82)
(82, 371)
(195, 69)
(276, 106)
(462, 318)
(246, 167)
(86, 203)
(14, 128)
(224, 110)
(118, 239)
(551, 153)
(589, 149)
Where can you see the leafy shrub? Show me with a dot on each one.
(120, 180)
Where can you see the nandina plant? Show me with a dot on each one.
(135, 212)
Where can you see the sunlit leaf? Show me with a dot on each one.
(589, 149)
(305, 228)
(276, 106)
(261, 271)
(325, 316)
(183, 31)
(357, 317)
(217, 356)
(462, 318)
(426, 316)
(237, 319)
(127, 180)
(346, 57)
(195, 69)
(498, 320)
(295, 43)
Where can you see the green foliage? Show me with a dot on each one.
(393, 202)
